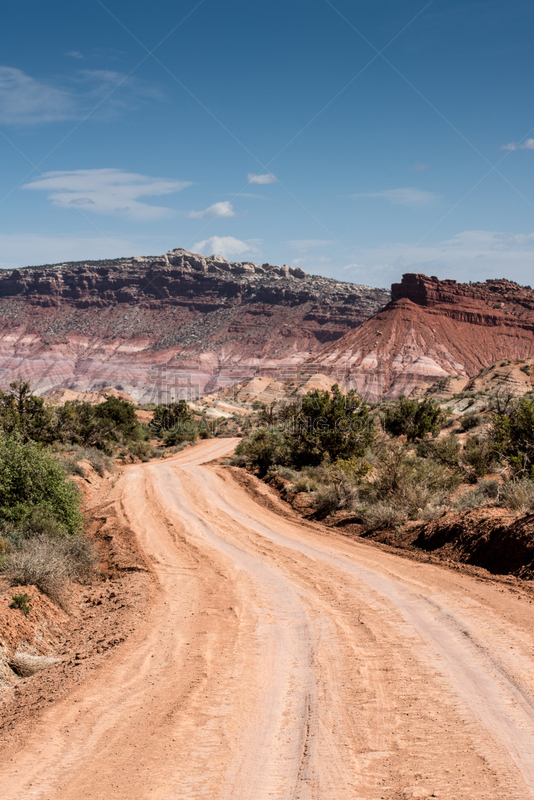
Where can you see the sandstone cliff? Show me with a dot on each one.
(430, 330)
(178, 324)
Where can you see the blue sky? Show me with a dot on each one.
(358, 140)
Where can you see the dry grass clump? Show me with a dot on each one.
(50, 564)
(26, 664)
(383, 515)
(518, 496)
(71, 456)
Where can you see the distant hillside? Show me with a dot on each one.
(179, 323)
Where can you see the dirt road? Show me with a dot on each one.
(283, 662)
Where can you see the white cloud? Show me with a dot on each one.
(528, 144)
(107, 191)
(25, 100)
(268, 177)
(304, 244)
(225, 246)
(223, 209)
(407, 196)
(74, 54)
(420, 167)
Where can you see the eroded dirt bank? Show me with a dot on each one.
(279, 661)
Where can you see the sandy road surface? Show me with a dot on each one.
(284, 662)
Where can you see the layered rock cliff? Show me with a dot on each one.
(432, 329)
(178, 324)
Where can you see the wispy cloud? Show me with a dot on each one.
(74, 54)
(407, 196)
(25, 100)
(528, 144)
(268, 177)
(223, 209)
(107, 191)
(420, 167)
(225, 246)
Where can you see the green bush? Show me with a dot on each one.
(264, 448)
(24, 414)
(21, 601)
(180, 433)
(142, 450)
(469, 422)
(30, 477)
(445, 450)
(513, 435)
(412, 418)
(480, 454)
(327, 425)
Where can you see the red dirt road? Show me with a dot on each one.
(281, 661)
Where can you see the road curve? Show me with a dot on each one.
(285, 662)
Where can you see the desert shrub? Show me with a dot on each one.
(142, 450)
(168, 415)
(513, 435)
(412, 418)
(382, 515)
(485, 492)
(39, 562)
(327, 425)
(480, 454)
(81, 557)
(238, 461)
(99, 461)
(41, 522)
(407, 482)
(102, 426)
(31, 476)
(285, 472)
(50, 564)
(525, 368)
(24, 414)
(181, 432)
(518, 495)
(431, 512)
(264, 448)
(21, 601)
(303, 484)
(326, 501)
(70, 456)
(469, 422)
(445, 450)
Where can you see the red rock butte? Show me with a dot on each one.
(432, 329)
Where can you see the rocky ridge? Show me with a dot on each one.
(180, 323)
